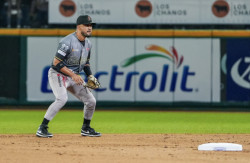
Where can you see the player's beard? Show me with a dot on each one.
(85, 34)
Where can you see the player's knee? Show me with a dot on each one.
(62, 100)
(91, 103)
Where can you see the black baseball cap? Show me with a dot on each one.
(84, 19)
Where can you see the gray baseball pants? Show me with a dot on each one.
(60, 85)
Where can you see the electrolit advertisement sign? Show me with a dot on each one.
(162, 70)
(155, 69)
(138, 69)
(238, 69)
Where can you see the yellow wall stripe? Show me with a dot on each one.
(129, 33)
(231, 33)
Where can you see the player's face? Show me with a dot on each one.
(86, 30)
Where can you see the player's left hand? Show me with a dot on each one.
(93, 83)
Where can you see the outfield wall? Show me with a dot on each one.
(138, 67)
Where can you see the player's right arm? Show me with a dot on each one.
(58, 64)
(62, 68)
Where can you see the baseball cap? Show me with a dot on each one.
(84, 19)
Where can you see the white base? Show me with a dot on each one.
(220, 147)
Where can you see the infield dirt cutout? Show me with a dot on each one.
(121, 148)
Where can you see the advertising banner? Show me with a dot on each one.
(151, 12)
(137, 69)
(238, 70)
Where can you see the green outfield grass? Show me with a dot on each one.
(66, 121)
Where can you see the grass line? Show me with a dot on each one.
(27, 122)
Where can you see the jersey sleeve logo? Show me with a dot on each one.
(63, 49)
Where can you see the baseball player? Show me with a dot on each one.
(72, 57)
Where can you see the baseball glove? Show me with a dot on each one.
(92, 83)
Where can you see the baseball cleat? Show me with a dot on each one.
(43, 132)
(88, 131)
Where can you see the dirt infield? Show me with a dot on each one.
(139, 148)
